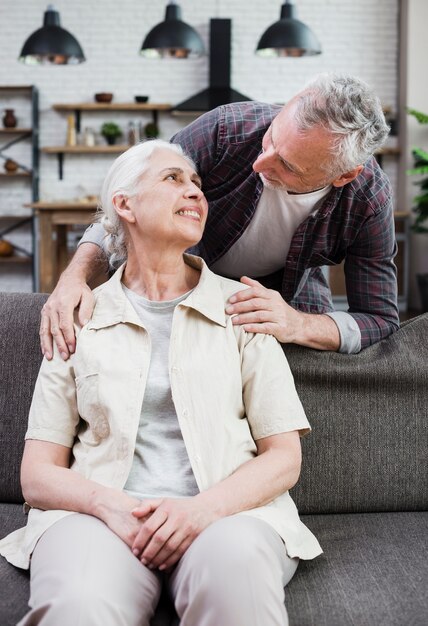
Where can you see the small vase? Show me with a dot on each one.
(10, 165)
(9, 119)
(111, 140)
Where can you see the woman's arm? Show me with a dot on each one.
(48, 483)
(175, 523)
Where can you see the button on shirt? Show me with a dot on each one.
(229, 388)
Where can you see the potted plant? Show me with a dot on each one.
(420, 208)
(151, 130)
(111, 131)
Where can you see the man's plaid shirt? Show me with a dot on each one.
(355, 222)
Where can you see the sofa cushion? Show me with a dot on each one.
(14, 582)
(368, 448)
(20, 359)
(374, 572)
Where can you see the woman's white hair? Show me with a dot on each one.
(348, 108)
(122, 179)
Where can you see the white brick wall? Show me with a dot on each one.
(357, 37)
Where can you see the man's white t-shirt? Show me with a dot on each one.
(263, 247)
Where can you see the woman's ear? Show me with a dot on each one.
(123, 208)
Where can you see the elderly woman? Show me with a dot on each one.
(164, 449)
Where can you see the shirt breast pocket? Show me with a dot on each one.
(95, 425)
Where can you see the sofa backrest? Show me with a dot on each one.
(20, 359)
(369, 414)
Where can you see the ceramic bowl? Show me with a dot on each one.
(141, 99)
(103, 97)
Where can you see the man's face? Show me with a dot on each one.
(291, 159)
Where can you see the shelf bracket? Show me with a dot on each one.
(77, 119)
(20, 165)
(13, 227)
(11, 143)
(60, 156)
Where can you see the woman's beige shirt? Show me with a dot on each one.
(229, 388)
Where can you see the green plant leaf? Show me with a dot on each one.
(419, 229)
(421, 117)
(110, 129)
(418, 170)
(421, 154)
(421, 199)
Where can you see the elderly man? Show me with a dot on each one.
(290, 190)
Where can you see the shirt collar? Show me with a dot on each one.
(113, 307)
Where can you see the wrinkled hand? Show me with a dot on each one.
(58, 314)
(262, 310)
(174, 523)
(117, 515)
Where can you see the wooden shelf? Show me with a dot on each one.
(16, 131)
(16, 87)
(112, 106)
(105, 149)
(389, 151)
(13, 174)
(16, 216)
(55, 206)
(15, 259)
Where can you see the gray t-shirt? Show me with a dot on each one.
(161, 465)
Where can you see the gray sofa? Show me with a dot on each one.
(363, 489)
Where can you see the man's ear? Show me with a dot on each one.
(347, 177)
(124, 211)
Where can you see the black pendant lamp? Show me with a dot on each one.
(172, 38)
(51, 44)
(288, 37)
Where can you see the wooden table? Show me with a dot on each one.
(54, 219)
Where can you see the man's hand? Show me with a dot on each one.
(262, 310)
(58, 314)
(71, 292)
(174, 523)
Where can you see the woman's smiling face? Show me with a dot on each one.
(169, 205)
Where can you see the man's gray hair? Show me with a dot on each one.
(123, 178)
(348, 108)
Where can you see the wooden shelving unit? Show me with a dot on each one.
(15, 259)
(115, 149)
(92, 107)
(14, 174)
(9, 137)
(16, 131)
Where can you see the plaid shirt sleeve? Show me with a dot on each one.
(199, 140)
(371, 278)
